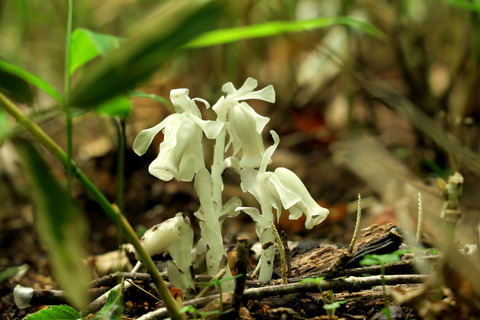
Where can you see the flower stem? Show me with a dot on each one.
(110, 210)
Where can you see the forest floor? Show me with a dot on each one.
(418, 285)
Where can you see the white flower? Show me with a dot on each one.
(282, 189)
(181, 154)
(244, 125)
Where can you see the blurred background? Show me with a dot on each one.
(383, 116)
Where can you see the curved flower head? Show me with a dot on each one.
(181, 154)
(282, 189)
(244, 125)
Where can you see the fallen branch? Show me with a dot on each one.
(350, 284)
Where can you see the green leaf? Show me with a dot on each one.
(333, 306)
(62, 312)
(15, 87)
(139, 94)
(117, 107)
(317, 280)
(86, 45)
(113, 309)
(277, 27)
(465, 4)
(32, 79)
(7, 273)
(4, 126)
(145, 49)
(60, 224)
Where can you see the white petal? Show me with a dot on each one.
(243, 131)
(182, 102)
(229, 88)
(248, 178)
(286, 196)
(260, 121)
(265, 94)
(145, 137)
(211, 128)
(161, 169)
(262, 222)
(161, 236)
(246, 88)
(229, 208)
(205, 102)
(267, 156)
(314, 213)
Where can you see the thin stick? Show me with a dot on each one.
(357, 224)
(420, 218)
(350, 284)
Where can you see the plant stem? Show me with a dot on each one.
(121, 138)
(114, 214)
(67, 83)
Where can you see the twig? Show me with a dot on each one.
(357, 224)
(419, 218)
(242, 259)
(350, 284)
(100, 301)
(112, 278)
(26, 296)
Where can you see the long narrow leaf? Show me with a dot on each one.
(147, 47)
(277, 27)
(31, 78)
(60, 224)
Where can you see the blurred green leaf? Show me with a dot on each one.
(139, 94)
(60, 224)
(12, 271)
(86, 45)
(145, 49)
(4, 126)
(32, 79)
(62, 312)
(278, 27)
(113, 309)
(119, 106)
(465, 4)
(15, 87)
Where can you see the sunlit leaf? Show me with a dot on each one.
(113, 309)
(60, 224)
(86, 45)
(62, 312)
(117, 107)
(32, 79)
(277, 27)
(145, 49)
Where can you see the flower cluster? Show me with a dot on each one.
(237, 132)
